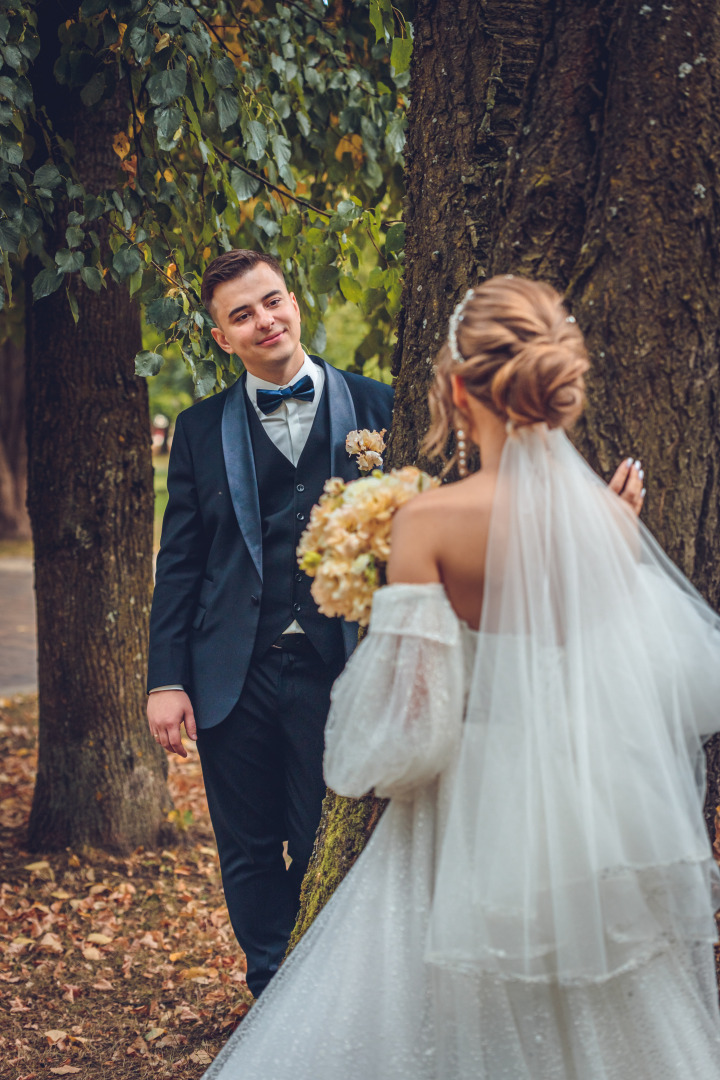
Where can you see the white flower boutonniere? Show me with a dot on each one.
(367, 446)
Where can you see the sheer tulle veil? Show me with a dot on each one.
(576, 814)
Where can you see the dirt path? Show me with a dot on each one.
(18, 648)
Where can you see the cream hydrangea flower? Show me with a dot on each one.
(367, 446)
(346, 545)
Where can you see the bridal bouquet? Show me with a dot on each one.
(346, 545)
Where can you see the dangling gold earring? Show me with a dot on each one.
(461, 451)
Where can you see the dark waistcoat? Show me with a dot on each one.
(287, 494)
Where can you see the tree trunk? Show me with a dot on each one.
(579, 144)
(101, 778)
(14, 519)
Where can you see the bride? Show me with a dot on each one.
(536, 902)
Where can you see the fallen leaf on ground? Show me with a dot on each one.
(55, 1036)
(99, 939)
(200, 1057)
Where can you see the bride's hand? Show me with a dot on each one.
(628, 483)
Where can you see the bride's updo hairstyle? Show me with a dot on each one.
(517, 351)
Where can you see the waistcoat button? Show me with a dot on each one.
(255, 600)
(300, 517)
(297, 607)
(300, 487)
(299, 577)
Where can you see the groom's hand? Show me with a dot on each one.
(628, 483)
(167, 710)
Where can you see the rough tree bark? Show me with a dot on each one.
(580, 144)
(14, 519)
(101, 779)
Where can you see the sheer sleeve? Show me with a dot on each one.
(396, 714)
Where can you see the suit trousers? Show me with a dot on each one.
(262, 768)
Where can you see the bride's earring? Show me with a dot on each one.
(461, 451)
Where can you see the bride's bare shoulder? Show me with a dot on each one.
(473, 494)
(422, 528)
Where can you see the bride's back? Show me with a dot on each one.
(442, 537)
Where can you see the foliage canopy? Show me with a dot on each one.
(276, 125)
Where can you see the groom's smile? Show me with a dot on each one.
(259, 320)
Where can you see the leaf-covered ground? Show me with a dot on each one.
(122, 968)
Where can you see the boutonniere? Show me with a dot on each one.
(367, 447)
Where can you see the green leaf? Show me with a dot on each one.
(226, 103)
(323, 279)
(148, 363)
(351, 289)
(282, 149)
(47, 176)
(93, 207)
(164, 312)
(142, 43)
(395, 239)
(376, 280)
(376, 20)
(224, 70)
(92, 278)
(12, 56)
(73, 305)
(400, 55)
(46, 282)
(291, 224)
(256, 139)
(243, 185)
(12, 153)
(23, 93)
(93, 90)
(126, 261)
(205, 377)
(167, 86)
(395, 135)
(9, 237)
(136, 280)
(73, 236)
(69, 261)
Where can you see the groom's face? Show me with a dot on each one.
(259, 320)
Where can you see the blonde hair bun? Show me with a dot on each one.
(518, 351)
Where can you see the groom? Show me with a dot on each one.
(239, 653)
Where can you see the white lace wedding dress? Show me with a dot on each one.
(535, 902)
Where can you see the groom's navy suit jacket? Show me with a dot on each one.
(209, 580)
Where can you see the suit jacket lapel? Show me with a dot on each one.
(342, 421)
(240, 468)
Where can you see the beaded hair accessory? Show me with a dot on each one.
(455, 319)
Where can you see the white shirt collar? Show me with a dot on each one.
(315, 372)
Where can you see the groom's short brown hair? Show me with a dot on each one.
(230, 265)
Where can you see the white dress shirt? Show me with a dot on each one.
(288, 427)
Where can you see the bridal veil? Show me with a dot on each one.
(576, 819)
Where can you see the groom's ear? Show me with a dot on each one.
(222, 340)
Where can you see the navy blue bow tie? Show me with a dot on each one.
(269, 400)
